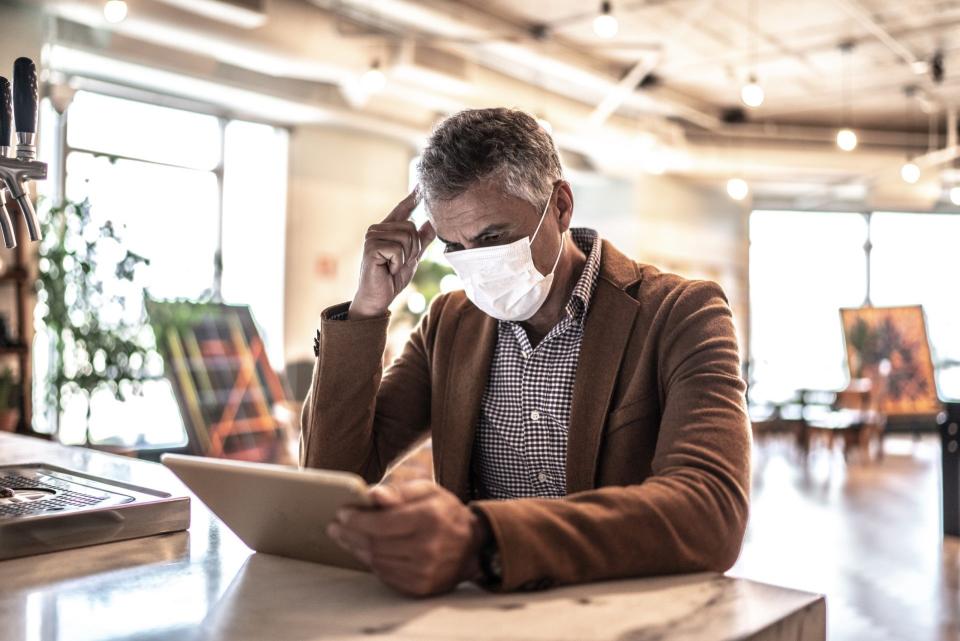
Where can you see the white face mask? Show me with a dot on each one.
(502, 280)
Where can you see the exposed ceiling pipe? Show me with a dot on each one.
(820, 46)
(243, 16)
(776, 133)
(565, 71)
(855, 10)
(613, 100)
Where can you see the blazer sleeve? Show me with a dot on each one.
(691, 513)
(356, 417)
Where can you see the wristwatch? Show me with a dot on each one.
(490, 565)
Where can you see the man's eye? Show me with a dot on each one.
(452, 247)
(491, 238)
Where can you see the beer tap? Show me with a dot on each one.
(6, 119)
(15, 172)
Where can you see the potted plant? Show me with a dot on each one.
(84, 269)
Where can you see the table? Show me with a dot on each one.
(206, 584)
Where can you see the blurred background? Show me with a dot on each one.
(213, 165)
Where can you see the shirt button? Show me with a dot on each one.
(543, 477)
(534, 415)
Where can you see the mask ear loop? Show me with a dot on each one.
(559, 252)
(542, 217)
(537, 230)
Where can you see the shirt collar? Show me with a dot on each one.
(588, 240)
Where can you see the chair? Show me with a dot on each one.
(855, 414)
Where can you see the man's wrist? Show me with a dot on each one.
(485, 554)
(358, 312)
(471, 568)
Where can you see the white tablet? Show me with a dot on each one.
(272, 508)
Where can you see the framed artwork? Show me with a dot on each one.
(216, 361)
(892, 341)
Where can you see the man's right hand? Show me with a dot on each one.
(391, 252)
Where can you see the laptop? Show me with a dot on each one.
(273, 508)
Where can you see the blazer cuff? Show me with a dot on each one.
(517, 573)
(335, 327)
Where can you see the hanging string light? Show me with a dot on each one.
(605, 25)
(846, 137)
(752, 93)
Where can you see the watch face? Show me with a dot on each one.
(495, 567)
(490, 563)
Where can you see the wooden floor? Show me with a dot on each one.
(867, 535)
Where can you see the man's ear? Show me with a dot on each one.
(564, 205)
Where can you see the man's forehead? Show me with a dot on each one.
(474, 212)
(471, 224)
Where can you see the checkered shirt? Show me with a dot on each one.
(520, 446)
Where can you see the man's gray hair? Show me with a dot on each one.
(505, 145)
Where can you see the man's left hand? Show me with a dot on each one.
(418, 537)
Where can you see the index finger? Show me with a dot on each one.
(405, 207)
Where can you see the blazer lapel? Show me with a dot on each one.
(608, 327)
(468, 368)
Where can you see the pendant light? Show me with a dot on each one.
(846, 137)
(605, 25)
(752, 93)
(737, 188)
(909, 171)
(115, 11)
(373, 79)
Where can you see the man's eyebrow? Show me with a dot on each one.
(483, 232)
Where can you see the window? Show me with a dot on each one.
(805, 266)
(914, 262)
(185, 190)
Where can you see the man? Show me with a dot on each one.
(587, 411)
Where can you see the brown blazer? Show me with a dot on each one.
(658, 451)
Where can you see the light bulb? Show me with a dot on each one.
(416, 302)
(955, 196)
(910, 172)
(752, 94)
(605, 25)
(737, 188)
(847, 139)
(373, 79)
(115, 11)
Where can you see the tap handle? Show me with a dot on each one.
(6, 116)
(25, 95)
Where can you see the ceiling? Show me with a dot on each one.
(661, 96)
(702, 51)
